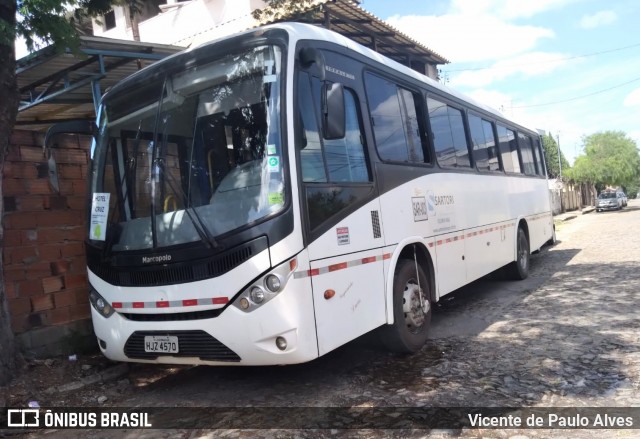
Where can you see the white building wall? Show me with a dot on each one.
(186, 23)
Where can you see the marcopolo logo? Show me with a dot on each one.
(156, 259)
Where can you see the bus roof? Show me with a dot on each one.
(304, 31)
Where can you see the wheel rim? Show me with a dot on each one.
(415, 306)
(523, 251)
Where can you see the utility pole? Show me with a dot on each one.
(559, 161)
(560, 172)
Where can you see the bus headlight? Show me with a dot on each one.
(266, 287)
(256, 294)
(272, 282)
(99, 304)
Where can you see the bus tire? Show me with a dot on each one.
(519, 269)
(410, 329)
(553, 240)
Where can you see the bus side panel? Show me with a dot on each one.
(529, 199)
(488, 237)
(347, 275)
(348, 301)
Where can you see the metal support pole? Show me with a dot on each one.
(560, 171)
(97, 94)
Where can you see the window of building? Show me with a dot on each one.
(485, 150)
(109, 20)
(449, 137)
(398, 122)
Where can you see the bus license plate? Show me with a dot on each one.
(164, 344)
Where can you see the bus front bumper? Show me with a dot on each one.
(280, 332)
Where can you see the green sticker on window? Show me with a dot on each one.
(276, 198)
(273, 164)
(271, 149)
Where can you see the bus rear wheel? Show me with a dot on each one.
(519, 269)
(411, 310)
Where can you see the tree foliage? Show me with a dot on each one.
(610, 158)
(551, 157)
(53, 21)
(279, 10)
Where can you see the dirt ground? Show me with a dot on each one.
(78, 381)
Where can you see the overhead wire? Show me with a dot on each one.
(579, 97)
(546, 61)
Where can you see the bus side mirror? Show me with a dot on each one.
(70, 127)
(333, 111)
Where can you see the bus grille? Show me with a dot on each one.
(177, 273)
(190, 344)
(173, 317)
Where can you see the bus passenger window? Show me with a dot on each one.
(526, 150)
(508, 149)
(538, 155)
(449, 138)
(485, 151)
(397, 123)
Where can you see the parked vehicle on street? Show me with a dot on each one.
(624, 198)
(609, 201)
(268, 197)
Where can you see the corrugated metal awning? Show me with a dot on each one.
(56, 87)
(349, 19)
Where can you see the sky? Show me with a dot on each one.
(568, 67)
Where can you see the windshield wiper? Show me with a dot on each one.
(152, 171)
(199, 225)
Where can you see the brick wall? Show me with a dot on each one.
(44, 264)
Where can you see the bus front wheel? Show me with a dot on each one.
(411, 309)
(519, 269)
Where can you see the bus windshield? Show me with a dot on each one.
(189, 156)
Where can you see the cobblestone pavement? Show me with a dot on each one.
(566, 337)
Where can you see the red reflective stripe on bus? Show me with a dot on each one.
(313, 272)
(116, 305)
(219, 300)
(138, 304)
(369, 259)
(336, 267)
(190, 302)
(162, 304)
(386, 256)
(439, 242)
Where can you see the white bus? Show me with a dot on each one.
(268, 197)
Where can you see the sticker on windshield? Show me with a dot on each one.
(276, 198)
(99, 215)
(273, 164)
(271, 149)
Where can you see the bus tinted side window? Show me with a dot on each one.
(338, 160)
(538, 153)
(449, 138)
(526, 151)
(508, 149)
(485, 151)
(397, 123)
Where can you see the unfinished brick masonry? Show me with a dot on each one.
(44, 262)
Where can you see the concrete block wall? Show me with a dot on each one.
(44, 262)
